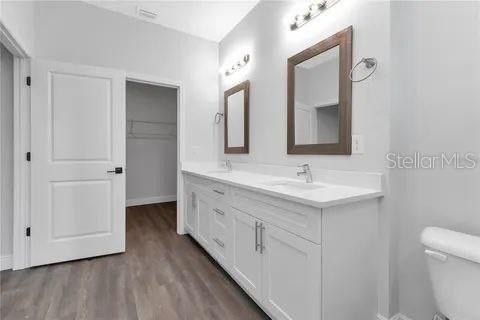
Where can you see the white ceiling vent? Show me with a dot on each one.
(145, 13)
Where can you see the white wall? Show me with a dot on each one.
(151, 161)
(80, 33)
(18, 17)
(6, 161)
(265, 34)
(435, 108)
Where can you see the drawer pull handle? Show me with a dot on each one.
(262, 247)
(257, 225)
(220, 243)
(219, 192)
(220, 212)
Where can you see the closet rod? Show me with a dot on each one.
(154, 122)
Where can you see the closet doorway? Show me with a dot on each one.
(151, 143)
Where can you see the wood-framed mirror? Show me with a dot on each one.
(236, 109)
(319, 99)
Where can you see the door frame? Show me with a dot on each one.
(21, 145)
(162, 82)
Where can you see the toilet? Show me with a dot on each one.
(454, 265)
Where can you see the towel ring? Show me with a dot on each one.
(218, 117)
(370, 63)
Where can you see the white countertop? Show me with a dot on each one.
(326, 195)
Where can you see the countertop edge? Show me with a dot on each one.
(316, 204)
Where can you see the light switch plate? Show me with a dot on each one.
(357, 144)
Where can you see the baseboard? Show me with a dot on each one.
(142, 201)
(398, 316)
(6, 262)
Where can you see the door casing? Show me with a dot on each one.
(21, 144)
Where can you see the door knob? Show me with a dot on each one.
(117, 170)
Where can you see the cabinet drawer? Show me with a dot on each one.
(220, 215)
(218, 191)
(215, 190)
(219, 237)
(298, 219)
(220, 244)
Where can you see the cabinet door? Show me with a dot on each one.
(291, 275)
(191, 207)
(203, 219)
(247, 260)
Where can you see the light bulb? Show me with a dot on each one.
(314, 7)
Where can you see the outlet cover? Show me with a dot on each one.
(358, 146)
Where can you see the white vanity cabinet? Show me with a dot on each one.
(276, 267)
(247, 259)
(207, 219)
(190, 210)
(294, 260)
(204, 208)
(291, 275)
(197, 220)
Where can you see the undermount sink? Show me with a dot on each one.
(293, 185)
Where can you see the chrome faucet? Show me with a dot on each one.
(305, 172)
(228, 165)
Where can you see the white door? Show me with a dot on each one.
(78, 135)
(247, 259)
(291, 275)
(303, 129)
(203, 219)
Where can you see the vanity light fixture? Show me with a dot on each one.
(237, 66)
(313, 10)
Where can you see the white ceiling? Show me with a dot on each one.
(211, 20)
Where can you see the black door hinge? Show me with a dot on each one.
(29, 81)
(29, 156)
(27, 232)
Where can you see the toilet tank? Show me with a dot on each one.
(454, 264)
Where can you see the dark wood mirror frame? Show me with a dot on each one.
(343, 39)
(245, 86)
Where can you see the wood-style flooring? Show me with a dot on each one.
(161, 276)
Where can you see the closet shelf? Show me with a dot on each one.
(161, 130)
(327, 104)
